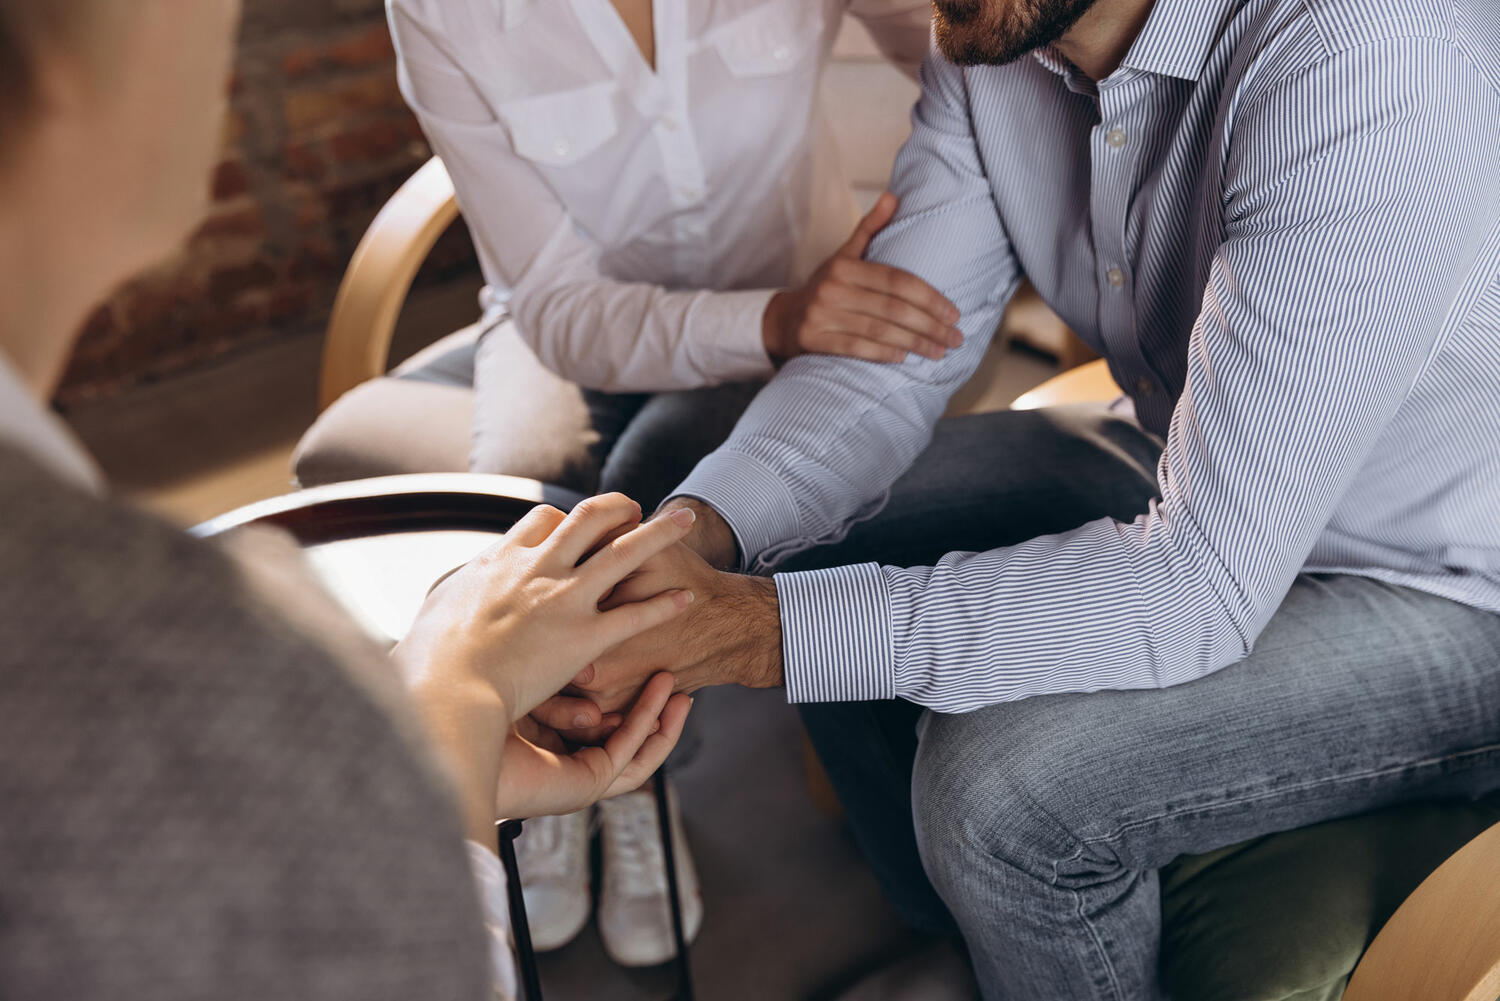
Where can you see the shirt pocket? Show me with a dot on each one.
(562, 128)
(772, 39)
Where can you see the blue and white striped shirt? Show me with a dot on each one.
(1279, 220)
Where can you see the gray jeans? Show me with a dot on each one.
(1041, 824)
(529, 421)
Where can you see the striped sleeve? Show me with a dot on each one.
(1326, 298)
(820, 447)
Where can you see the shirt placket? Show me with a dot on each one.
(683, 170)
(1117, 166)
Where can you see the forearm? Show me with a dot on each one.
(632, 337)
(468, 726)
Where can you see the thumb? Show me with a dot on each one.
(874, 221)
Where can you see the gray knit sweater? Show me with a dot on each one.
(195, 800)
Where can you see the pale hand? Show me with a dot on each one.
(861, 309)
(510, 628)
(539, 775)
(524, 617)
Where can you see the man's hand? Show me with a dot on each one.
(730, 636)
(861, 309)
(710, 537)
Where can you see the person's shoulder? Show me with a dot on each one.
(1326, 28)
(1368, 48)
(171, 754)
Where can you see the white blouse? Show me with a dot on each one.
(636, 222)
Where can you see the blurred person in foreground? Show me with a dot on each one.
(659, 204)
(1044, 660)
(212, 784)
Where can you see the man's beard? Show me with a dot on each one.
(995, 32)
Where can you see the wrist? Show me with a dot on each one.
(711, 537)
(773, 328)
(755, 659)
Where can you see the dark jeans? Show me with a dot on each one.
(531, 422)
(1038, 826)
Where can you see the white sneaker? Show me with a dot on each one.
(552, 855)
(635, 917)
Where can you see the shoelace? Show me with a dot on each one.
(635, 859)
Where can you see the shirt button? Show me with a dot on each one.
(560, 147)
(1115, 277)
(1115, 138)
(781, 53)
(1145, 387)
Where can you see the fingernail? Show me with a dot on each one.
(656, 726)
(686, 599)
(953, 314)
(683, 516)
(581, 720)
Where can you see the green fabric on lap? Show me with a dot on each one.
(1287, 917)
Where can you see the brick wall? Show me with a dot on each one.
(318, 138)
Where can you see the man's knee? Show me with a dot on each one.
(1009, 785)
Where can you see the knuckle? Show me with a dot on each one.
(588, 506)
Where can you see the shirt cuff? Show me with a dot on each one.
(836, 643)
(494, 906)
(725, 335)
(749, 496)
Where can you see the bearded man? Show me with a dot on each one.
(1043, 654)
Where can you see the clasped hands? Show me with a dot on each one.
(629, 611)
(730, 635)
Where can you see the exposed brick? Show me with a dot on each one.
(228, 283)
(376, 140)
(312, 108)
(230, 181)
(242, 219)
(316, 140)
(368, 47)
(307, 161)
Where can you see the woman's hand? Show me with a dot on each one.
(539, 775)
(523, 617)
(512, 626)
(861, 309)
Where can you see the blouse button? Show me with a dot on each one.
(781, 53)
(560, 147)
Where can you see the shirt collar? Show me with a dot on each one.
(1179, 35)
(28, 426)
(512, 12)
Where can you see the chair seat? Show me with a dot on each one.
(418, 419)
(1287, 917)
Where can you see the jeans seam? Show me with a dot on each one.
(1281, 790)
(1100, 951)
